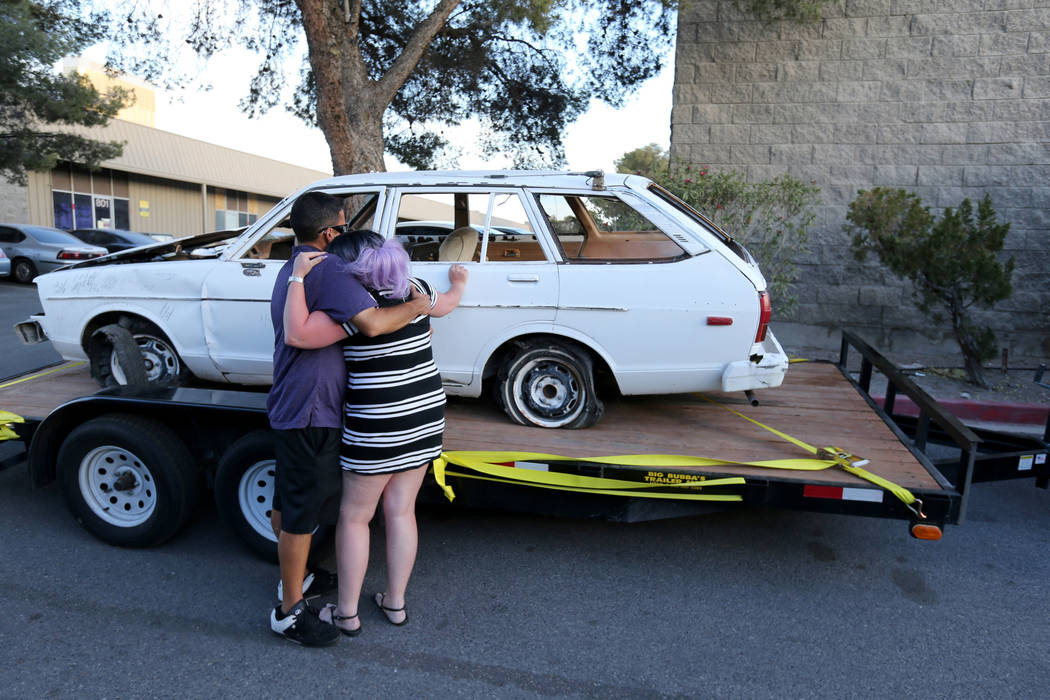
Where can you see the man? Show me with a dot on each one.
(305, 405)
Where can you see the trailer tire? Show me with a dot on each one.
(549, 385)
(244, 482)
(129, 481)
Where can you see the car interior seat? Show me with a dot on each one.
(459, 246)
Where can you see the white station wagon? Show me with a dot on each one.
(577, 281)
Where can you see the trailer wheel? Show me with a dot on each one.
(244, 482)
(129, 481)
(549, 385)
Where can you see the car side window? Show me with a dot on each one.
(603, 228)
(448, 227)
(11, 235)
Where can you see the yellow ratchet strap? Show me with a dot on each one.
(492, 466)
(6, 431)
(832, 457)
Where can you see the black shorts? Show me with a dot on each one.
(308, 481)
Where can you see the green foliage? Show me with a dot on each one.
(953, 262)
(33, 36)
(770, 218)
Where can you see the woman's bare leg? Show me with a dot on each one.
(358, 505)
(399, 513)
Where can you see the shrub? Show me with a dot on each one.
(952, 263)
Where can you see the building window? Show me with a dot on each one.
(83, 199)
(235, 214)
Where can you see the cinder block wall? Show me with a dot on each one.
(14, 203)
(946, 98)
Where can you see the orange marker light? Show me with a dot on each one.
(925, 532)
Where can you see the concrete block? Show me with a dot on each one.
(791, 154)
(746, 155)
(947, 90)
(885, 70)
(858, 49)
(1038, 42)
(844, 27)
(735, 52)
(944, 133)
(909, 47)
(832, 71)
(710, 154)
(819, 49)
(801, 114)
(1010, 198)
(681, 114)
(969, 111)
(812, 133)
(698, 11)
(1021, 110)
(940, 176)
(771, 133)
(730, 133)
(867, 91)
(922, 112)
(712, 114)
(965, 154)
(834, 153)
(933, 6)
(920, 155)
(1002, 44)
(776, 51)
(722, 93)
(690, 133)
(1041, 198)
(957, 23)
(868, 8)
(963, 68)
(690, 53)
(798, 71)
(712, 73)
(997, 88)
(987, 176)
(895, 175)
(855, 133)
(870, 295)
(763, 173)
(752, 114)
(968, 45)
(1016, 154)
(755, 73)
(901, 91)
(860, 175)
(1022, 66)
(895, 24)
(1028, 20)
(900, 133)
(1036, 87)
(991, 132)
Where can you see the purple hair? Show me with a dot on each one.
(385, 268)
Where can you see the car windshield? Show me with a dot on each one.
(51, 235)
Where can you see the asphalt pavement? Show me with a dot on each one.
(17, 303)
(743, 603)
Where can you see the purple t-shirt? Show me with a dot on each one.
(308, 385)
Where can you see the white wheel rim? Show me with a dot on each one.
(117, 486)
(548, 392)
(160, 359)
(255, 497)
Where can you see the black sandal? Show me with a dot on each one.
(386, 611)
(331, 607)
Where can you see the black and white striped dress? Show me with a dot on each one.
(394, 410)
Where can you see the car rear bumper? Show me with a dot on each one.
(765, 373)
(31, 331)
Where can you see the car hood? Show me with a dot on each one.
(163, 251)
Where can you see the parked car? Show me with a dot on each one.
(35, 250)
(5, 264)
(572, 277)
(113, 240)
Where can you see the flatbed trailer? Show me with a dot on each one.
(643, 445)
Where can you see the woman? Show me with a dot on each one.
(393, 416)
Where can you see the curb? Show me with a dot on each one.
(990, 411)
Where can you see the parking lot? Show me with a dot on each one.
(743, 603)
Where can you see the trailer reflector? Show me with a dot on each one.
(925, 532)
(841, 493)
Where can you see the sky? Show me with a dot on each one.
(598, 138)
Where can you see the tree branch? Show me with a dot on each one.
(417, 45)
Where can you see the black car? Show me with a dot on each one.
(113, 240)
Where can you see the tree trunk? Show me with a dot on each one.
(970, 349)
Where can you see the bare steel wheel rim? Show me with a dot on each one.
(255, 496)
(161, 360)
(549, 392)
(117, 486)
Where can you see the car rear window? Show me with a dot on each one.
(52, 235)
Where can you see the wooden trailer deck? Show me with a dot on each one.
(816, 404)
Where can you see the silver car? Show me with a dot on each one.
(34, 250)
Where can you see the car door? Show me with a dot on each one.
(667, 319)
(235, 299)
(513, 284)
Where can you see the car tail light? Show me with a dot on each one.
(766, 310)
(77, 255)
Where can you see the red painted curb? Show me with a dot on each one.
(991, 411)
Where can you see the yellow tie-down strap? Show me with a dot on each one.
(6, 419)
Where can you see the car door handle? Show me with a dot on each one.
(523, 278)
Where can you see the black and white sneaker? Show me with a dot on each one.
(317, 582)
(302, 626)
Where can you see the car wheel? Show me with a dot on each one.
(549, 385)
(23, 270)
(129, 481)
(244, 482)
(110, 356)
